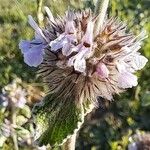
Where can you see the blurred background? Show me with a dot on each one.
(112, 125)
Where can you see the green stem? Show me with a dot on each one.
(100, 10)
(14, 135)
(70, 143)
(39, 12)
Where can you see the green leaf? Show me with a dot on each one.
(2, 140)
(57, 118)
(62, 112)
(23, 133)
(20, 120)
(26, 111)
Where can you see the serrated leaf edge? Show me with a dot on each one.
(74, 132)
(91, 107)
(64, 140)
(78, 125)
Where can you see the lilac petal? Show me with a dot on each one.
(69, 47)
(49, 13)
(127, 80)
(38, 30)
(121, 66)
(64, 42)
(24, 45)
(78, 61)
(102, 70)
(137, 61)
(37, 42)
(86, 52)
(132, 63)
(39, 37)
(140, 61)
(33, 24)
(58, 43)
(80, 65)
(76, 48)
(71, 38)
(34, 56)
(66, 49)
(71, 61)
(70, 27)
(21, 102)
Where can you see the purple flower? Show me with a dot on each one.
(127, 80)
(64, 42)
(78, 61)
(67, 40)
(33, 51)
(84, 64)
(15, 95)
(84, 50)
(58, 43)
(106, 60)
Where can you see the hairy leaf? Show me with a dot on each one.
(56, 119)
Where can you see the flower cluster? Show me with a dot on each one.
(97, 64)
(139, 141)
(13, 94)
(15, 114)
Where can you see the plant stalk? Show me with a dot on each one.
(13, 121)
(100, 10)
(39, 12)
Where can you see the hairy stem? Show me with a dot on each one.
(39, 12)
(70, 143)
(100, 10)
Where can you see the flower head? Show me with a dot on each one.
(95, 65)
(15, 95)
